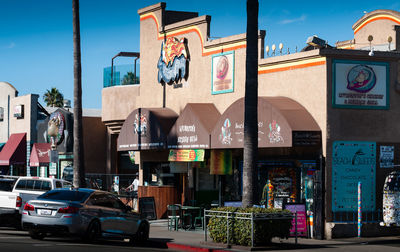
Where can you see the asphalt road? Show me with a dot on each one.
(12, 240)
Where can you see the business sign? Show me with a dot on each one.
(353, 162)
(186, 155)
(360, 84)
(299, 222)
(19, 111)
(222, 77)
(53, 169)
(386, 157)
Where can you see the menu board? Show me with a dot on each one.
(301, 219)
(353, 162)
(147, 208)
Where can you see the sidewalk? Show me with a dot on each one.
(194, 241)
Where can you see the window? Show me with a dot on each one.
(67, 195)
(21, 184)
(36, 185)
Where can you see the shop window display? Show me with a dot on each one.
(280, 187)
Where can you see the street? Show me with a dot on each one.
(12, 240)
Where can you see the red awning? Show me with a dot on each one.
(40, 154)
(14, 152)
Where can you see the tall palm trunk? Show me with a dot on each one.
(250, 107)
(79, 168)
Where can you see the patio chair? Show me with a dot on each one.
(174, 215)
(200, 218)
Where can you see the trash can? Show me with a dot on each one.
(391, 200)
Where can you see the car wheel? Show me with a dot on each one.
(141, 236)
(36, 234)
(93, 232)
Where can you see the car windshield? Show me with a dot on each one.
(65, 195)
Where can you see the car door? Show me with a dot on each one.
(106, 213)
(127, 221)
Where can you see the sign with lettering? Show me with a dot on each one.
(301, 218)
(222, 77)
(353, 162)
(360, 84)
(386, 157)
(186, 155)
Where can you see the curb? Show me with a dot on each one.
(185, 247)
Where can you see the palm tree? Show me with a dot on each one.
(53, 98)
(79, 169)
(250, 107)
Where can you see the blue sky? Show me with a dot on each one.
(36, 49)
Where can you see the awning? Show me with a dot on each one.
(14, 152)
(40, 154)
(193, 127)
(278, 119)
(146, 129)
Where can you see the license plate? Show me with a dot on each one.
(44, 212)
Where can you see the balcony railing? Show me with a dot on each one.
(122, 75)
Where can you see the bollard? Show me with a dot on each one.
(205, 226)
(295, 226)
(359, 211)
(227, 229)
(252, 230)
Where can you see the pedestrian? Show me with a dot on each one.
(133, 188)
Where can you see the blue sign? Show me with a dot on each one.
(353, 162)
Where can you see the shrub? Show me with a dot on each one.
(240, 229)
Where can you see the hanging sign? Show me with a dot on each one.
(186, 155)
(221, 162)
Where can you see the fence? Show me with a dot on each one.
(122, 75)
(351, 217)
(244, 216)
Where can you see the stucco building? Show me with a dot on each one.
(327, 118)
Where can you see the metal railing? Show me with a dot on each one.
(253, 217)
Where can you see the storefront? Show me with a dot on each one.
(13, 156)
(321, 110)
(40, 159)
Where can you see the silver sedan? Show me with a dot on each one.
(90, 214)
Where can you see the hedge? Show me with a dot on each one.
(240, 229)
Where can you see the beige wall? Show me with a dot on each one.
(28, 123)
(377, 24)
(94, 137)
(7, 92)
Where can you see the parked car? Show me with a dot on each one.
(16, 191)
(88, 213)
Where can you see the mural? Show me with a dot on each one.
(55, 129)
(173, 62)
(391, 200)
(223, 73)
